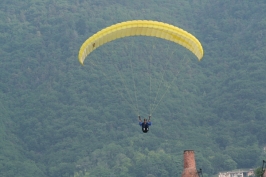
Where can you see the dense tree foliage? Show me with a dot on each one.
(58, 118)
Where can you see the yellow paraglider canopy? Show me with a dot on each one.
(141, 28)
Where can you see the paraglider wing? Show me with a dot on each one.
(141, 28)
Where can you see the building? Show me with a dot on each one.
(238, 173)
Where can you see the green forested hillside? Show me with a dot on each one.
(59, 118)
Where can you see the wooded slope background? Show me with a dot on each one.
(59, 118)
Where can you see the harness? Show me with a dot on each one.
(145, 127)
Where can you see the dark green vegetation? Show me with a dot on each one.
(59, 119)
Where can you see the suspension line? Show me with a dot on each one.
(110, 81)
(162, 80)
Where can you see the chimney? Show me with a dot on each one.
(190, 169)
(264, 175)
